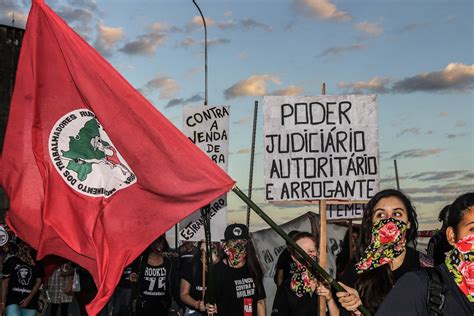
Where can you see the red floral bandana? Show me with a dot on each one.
(461, 266)
(302, 279)
(388, 242)
(235, 250)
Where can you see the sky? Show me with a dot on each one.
(416, 55)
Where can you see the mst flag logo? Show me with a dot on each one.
(86, 158)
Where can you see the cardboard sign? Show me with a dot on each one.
(345, 211)
(208, 128)
(321, 148)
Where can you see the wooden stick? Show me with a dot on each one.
(322, 237)
(322, 250)
(203, 259)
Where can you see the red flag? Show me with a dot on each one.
(93, 171)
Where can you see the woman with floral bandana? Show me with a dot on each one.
(409, 296)
(388, 232)
(299, 296)
(238, 277)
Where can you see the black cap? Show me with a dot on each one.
(236, 231)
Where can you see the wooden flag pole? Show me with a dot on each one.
(322, 238)
(203, 259)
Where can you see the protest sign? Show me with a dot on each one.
(321, 148)
(345, 211)
(208, 128)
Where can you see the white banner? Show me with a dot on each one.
(345, 211)
(319, 148)
(208, 128)
(268, 245)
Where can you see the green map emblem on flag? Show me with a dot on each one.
(86, 158)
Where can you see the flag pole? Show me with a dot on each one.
(206, 211)
(205, 52)
(252, 156)
(316, 267)
(396, 174)
(322, 235)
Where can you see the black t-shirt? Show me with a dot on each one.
(21, 280)
(286, 303)
(155, 282)
(192, 273)
(409, 296)
(410, 263)
(237, 292)
(186, 256)
(157, 285)
(286, 263)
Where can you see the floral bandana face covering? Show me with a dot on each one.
(302, 279)
(235, 250)
(460, 264)
(388, 242)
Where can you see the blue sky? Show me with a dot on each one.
(417, 56)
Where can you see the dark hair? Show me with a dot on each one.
(443, 215)
(458, 209)
(254, 267)
(166, 247)
(374, 285)
(292, 234)
(301, 235)
(366, 227)
(344, 256)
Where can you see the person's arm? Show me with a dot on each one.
(349, 299)
(279, 277)
(24, 303)
(331, 303)
(261, 308)
(187, 299)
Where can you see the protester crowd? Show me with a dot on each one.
(384, 272)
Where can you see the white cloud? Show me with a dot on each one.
(252, 86)
(145, 44)
(322, 9)
(290, 90)
(196, 23)
(107, 38)
(376, 84)
(166, 86)
(417, 153)
(455, 77)
(370, 29)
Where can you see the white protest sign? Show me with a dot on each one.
(208, 128)
(345, 211)
(321, 148)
